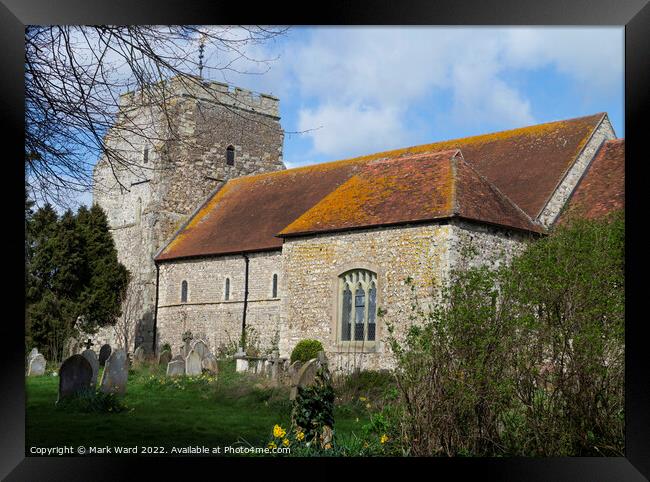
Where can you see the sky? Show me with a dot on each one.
(348, 91)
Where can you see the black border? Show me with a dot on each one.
(634, 14)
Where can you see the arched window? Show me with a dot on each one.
(184, 292)
(274, 290)
(145, 154)
(226, 291)
(358, 305)
(230, 155)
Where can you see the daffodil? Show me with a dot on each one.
(278, 431)
(300, 436)
(285, 442)
(383, 439)
(272, 445)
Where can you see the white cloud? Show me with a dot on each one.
(352, 129)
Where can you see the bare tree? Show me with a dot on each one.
(74, 76)
(124, 328)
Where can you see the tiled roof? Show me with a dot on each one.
(421, 187)
(602, 187)
(498, 176)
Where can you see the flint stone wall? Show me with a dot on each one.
(207, 314)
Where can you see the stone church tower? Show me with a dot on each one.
(208, 133)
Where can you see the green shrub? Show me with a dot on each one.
(92, 400)
(305, 350)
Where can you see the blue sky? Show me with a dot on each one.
(358, 90)
(348, 91)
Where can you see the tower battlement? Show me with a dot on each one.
(210, 91)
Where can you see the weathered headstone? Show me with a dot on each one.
(209, 363)
(165, 357)
(178, 358)
(139, 356)
(193, 364)
(90, 355)
(75, 376)
(201, 348)
(32, 353)
(36, 366)
(104, 353)
(294, 369)
(305, 377)
(176, 368)
(116, 373)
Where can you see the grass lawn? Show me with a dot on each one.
(235, 409)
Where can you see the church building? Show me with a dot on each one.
(331, 251)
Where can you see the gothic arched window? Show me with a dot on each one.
(274, 289)
(226, 290)
(230, 155)
(358, 305)
(184, 292)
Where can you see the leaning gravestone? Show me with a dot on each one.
(104, 353)
(209, 363)
(305, 377)
(165, 357)
(193, 364)
(75, 376)
(201, 348)
(116, 373)
(176, 368)
(92, 359)
(36, 365)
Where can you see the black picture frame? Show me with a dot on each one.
(633, 14)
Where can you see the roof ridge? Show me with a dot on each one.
(405, 151)
(500, 193)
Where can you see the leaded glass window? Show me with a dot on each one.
(226, 293)
(275, 286)
(230, 155)
(358, 305)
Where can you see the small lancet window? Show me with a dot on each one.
(274, 291)
(184, 292)
(226, 293)
(230, 155)
(145, 154)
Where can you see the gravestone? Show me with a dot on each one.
(165, 357)
(139, 356)
(116, 373)
(305, 377)
(209, 363)
(36, 365)
(94, 363)
(176, 368)
(104, 353)
(75, 376)
(201, 348)
(193, 364)
(294, 369)
(178, 358)
(32, 353)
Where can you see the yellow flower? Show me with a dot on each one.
(367, 405)
(285, 442)
(363, 399)
(278, 431)
(300, 436)
(328, 446)
(383, 439)
(272, 445)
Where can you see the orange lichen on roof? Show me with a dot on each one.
(503, 178)
(410, 189)
(602, 187)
